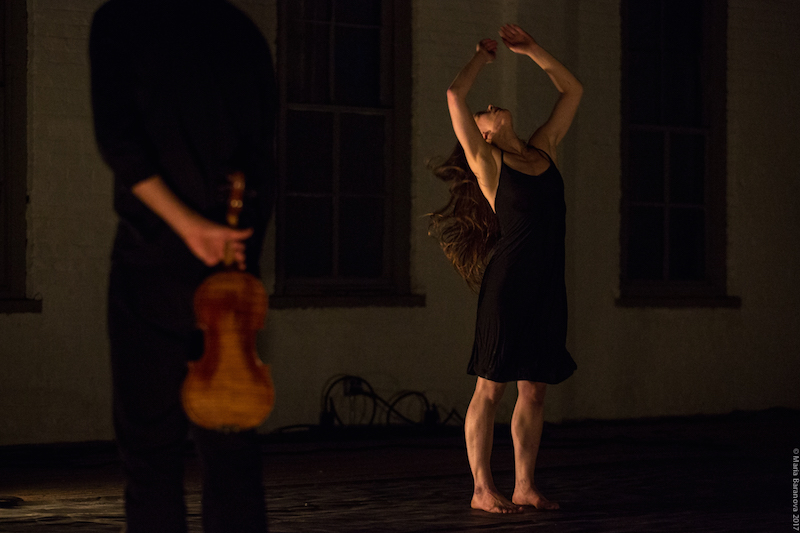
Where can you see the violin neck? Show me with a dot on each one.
(228, 260)
(236, 198)
(235, 202)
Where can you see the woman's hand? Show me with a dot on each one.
(516, 39)
(488, 49)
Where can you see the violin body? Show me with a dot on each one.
(229, 388)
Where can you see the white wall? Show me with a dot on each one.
(54, 385)
(652, 362)
(632, 362)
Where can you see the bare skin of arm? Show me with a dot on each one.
(481, 156)
(553, 130)
(205, 239)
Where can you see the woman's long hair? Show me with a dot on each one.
(467, 228)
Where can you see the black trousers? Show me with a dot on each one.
(152, 336)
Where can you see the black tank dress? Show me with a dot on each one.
(522, 308)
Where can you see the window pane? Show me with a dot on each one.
(683, 31)
(646, 243)
(358, 66)
(644, 25)
(319, 10)
(645, 88)
(682, 63)
(682, 24)
(682, 89)
(361, 237)
(307, 58)
(308, 237)
(686, 244)
(309, 150)
(644, 57)
(359, 12)
(687, 164)
(646, 166)
(362, 153)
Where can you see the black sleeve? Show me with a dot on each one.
(119, 130)
(269, 95)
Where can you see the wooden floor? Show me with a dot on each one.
(708, 474)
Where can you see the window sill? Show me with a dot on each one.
(20, 306)
(732, 302)
(344, 300)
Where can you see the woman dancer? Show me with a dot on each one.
(507, 201)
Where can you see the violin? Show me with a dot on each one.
(229, 388)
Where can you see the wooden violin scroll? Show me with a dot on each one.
(229, 388)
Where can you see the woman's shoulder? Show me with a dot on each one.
(534, 162)
(541, 143)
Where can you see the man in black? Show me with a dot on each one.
(183, 94)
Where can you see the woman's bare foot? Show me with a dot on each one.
(493, 502)
(532, 496)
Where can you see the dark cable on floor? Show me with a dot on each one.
(366, 406)
(357, 387)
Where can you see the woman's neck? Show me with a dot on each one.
(510, 143)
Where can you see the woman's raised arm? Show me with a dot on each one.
(479, 153)
(552, 131)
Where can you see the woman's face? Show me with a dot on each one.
(491, 121)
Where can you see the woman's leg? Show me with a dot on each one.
(479, 430)
(526, 432)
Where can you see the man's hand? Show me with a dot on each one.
(207, 240)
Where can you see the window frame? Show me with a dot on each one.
(392, 289)
(712, 290)
(14, 160)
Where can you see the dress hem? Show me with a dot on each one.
(537, 379)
